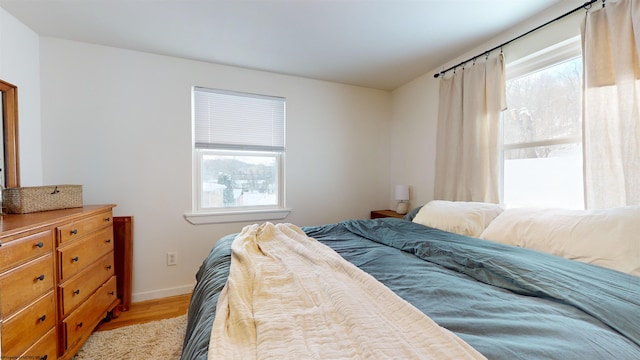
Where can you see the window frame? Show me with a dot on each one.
(279, 157)
(563, 51)
(200, 215)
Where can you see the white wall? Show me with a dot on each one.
(20, 66)
(415, 105)
(119, 122)
(413, 134)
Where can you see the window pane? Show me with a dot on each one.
(542, 132)
(239, 180)
(546, 104)
(553, 180)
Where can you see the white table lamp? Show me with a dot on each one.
(402, 195)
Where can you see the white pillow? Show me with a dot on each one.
(460, 217)
(608, 237)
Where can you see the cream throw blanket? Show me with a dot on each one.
(290, 297)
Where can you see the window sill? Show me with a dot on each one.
(236, 216)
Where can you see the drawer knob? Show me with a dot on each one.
(80, 324)
(45, 357)
(108, 267)
(40, 244)
(108, 241)
(75, 258)
(41, 277)
(42, 318)
(107, 219)
(77, 291)
(74, 232)
(111, 293)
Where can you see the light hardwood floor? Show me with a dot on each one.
(150, 310)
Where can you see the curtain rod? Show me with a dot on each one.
(586, 6)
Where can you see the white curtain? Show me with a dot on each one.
(468, 149)
(611, 116)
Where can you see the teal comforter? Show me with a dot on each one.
(507, 302)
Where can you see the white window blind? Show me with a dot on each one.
(226, 120)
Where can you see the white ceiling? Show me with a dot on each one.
(373, 43)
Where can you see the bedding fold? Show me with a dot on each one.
(289, 296)
(607, 295)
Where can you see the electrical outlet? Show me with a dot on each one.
(172, 259)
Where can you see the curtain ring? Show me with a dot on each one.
(604, 3)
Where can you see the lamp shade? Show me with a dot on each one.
(402, 192)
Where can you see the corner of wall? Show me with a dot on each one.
(20, 65)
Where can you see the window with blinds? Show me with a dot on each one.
(239, 149)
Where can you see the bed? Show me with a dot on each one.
(505, 301)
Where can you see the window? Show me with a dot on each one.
(542, 129)
(238, 156)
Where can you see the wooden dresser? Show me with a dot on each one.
(57, 280)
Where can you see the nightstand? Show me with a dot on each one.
(376, 214)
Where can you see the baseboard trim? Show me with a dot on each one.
(162, 293)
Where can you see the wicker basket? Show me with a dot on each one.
(25, 200)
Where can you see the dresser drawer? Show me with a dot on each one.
(44, 349)
(36, 320)
(80, 228)
(23, 249)
(78, 288)
(78, 255)
(25, 283)
(87, 316)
